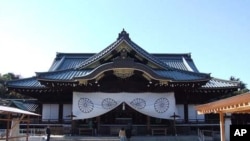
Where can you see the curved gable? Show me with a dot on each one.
(123, 43)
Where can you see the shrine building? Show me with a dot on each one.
(120, 85)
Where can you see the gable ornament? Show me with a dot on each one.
(123, 73)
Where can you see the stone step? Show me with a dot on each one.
(134, 138)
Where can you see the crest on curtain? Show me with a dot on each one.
(88, 105)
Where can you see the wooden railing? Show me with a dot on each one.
(32, 131)
(159, 131)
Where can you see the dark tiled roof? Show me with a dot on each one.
(65, 75)
(171, 74)
(177, 67)
(134, 46)
(182, 75)
(147, 55)
(81, 60)
(70, 63)
(72, 60)
(99, 55)
(178, 61)
(34, 83)
(68, 60)
(69, 75)
(27, 82)
(219, 83)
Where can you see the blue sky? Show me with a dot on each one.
(215, 32)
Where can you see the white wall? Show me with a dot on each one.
(192, 113)
(180, 109)
(67, 109)
(50, 112)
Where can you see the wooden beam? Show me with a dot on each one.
(236, 104)
(233, 104)
(245, 109)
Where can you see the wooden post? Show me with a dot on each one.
(148, 124)
(98, 124)
(222, 126)
(186, 110)
(8, 127)
(28, 128)
(61, 113)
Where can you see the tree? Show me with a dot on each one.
(242, 85)
(3, 90)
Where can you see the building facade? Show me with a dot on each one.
(122, 84)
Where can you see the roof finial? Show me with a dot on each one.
(123, 35)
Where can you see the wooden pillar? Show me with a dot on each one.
(60, 114)
(8, 127)
(28, 128)
(228, 122)
(186, 112)
(148, 124)
(222, 126)
(98, 120)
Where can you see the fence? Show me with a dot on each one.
(208, 135)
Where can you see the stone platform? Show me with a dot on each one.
(134, 138)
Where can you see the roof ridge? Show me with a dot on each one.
(153, 58)
(104, 51)
(124, 36)
(59, 64)
(187, 65)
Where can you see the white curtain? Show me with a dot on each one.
(88, 105)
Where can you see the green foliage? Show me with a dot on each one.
(3, 90)
(243, 88)
(242, 84)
